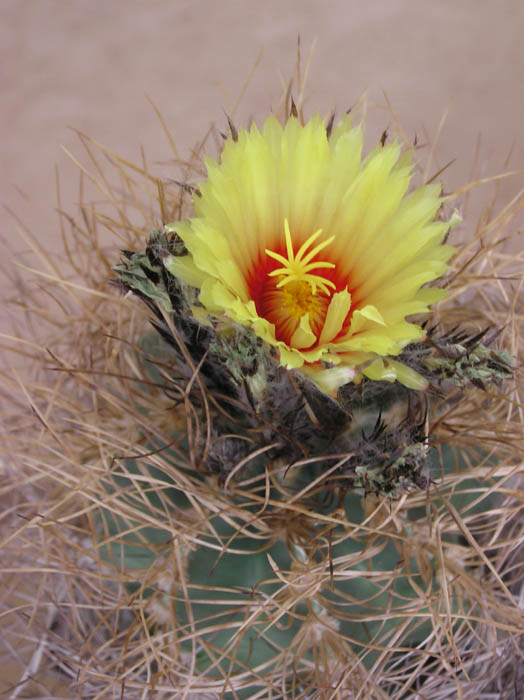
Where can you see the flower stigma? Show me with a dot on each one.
(297, 269)
(297, 282)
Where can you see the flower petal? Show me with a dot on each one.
(372, 313)
(337, 312)
(303, 337)
(330, 379)
(184, 268)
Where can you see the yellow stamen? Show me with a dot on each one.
(298, 268)
(299, 300)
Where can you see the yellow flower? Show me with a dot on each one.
(322, 253)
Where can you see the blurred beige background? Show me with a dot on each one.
(89, 64)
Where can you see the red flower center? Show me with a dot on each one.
(286, 286)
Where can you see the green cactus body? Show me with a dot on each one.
(266, 578)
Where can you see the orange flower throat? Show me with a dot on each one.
(299, 290)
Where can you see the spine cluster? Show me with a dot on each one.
(259, 403)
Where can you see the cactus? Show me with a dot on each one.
(262, 587)
(235, 529)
